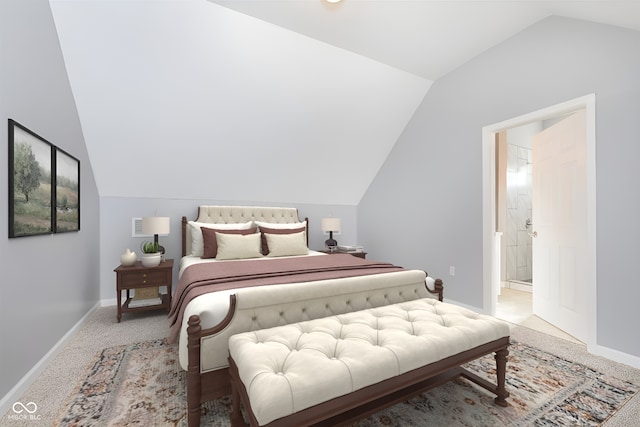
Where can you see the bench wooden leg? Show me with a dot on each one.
(501, 368)
(237, 420)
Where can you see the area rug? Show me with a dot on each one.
(142, 384)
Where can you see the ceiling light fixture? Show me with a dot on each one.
(333, 1)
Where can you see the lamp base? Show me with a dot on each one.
(331, 245)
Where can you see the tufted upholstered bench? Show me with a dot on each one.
(336, 369)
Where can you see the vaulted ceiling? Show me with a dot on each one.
(295, 101)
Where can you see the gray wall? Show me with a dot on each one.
(48, 282)
(117, 212)
(434, 173)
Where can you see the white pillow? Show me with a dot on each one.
(287, 244)
(238, 246)
(197, 243)
(281, 226)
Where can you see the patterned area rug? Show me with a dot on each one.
(142, 384)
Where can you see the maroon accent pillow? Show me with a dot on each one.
(266, 230)
(210, 243)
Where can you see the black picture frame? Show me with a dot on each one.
(44, 185)
(67, 192)
(31, 171)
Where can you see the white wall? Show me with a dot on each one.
(434, 173)
(252, 110)
(48, 282)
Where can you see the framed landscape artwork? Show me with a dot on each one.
(44, 185)
(30, 182)
(67, 212)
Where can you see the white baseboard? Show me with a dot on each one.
(597, 350)
(108, 302)
(6, 403)
(615, 355)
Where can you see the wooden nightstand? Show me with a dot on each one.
(139, 277)
(362, 255)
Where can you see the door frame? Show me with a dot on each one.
(491, 254)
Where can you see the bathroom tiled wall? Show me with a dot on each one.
(518, 211)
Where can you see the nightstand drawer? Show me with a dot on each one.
(144, 278)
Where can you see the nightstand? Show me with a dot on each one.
(362, 255)
(139, 277)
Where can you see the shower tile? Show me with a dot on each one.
(522, 249)
(523, 210)
(522, 274)
(511, 262)
(512, 190)
(523, 154)
(512, 227)
(512, 158)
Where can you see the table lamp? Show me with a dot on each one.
(330, 225)
(156, 225)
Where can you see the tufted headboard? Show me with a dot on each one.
(238, 215)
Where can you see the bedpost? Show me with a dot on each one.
(193, 371)
(184, 235)
(501, 369)
(439, 289)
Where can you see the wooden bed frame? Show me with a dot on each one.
(205, 386)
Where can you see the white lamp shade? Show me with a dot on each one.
(330, 224)
(155, 225)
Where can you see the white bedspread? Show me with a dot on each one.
(278, 304)
(212, 308)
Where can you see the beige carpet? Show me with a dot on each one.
(61, 378)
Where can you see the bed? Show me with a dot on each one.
(245, 268)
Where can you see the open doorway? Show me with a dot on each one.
(514, 152)
(515, 220)
(493, 237)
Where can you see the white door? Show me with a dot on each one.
(560, 225)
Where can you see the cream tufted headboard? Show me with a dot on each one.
(238, 215)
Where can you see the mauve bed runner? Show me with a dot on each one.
(200, 279)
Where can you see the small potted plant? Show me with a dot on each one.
(151, 255)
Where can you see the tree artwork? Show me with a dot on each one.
(44, 185)
(30, 183)
(27, 172)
